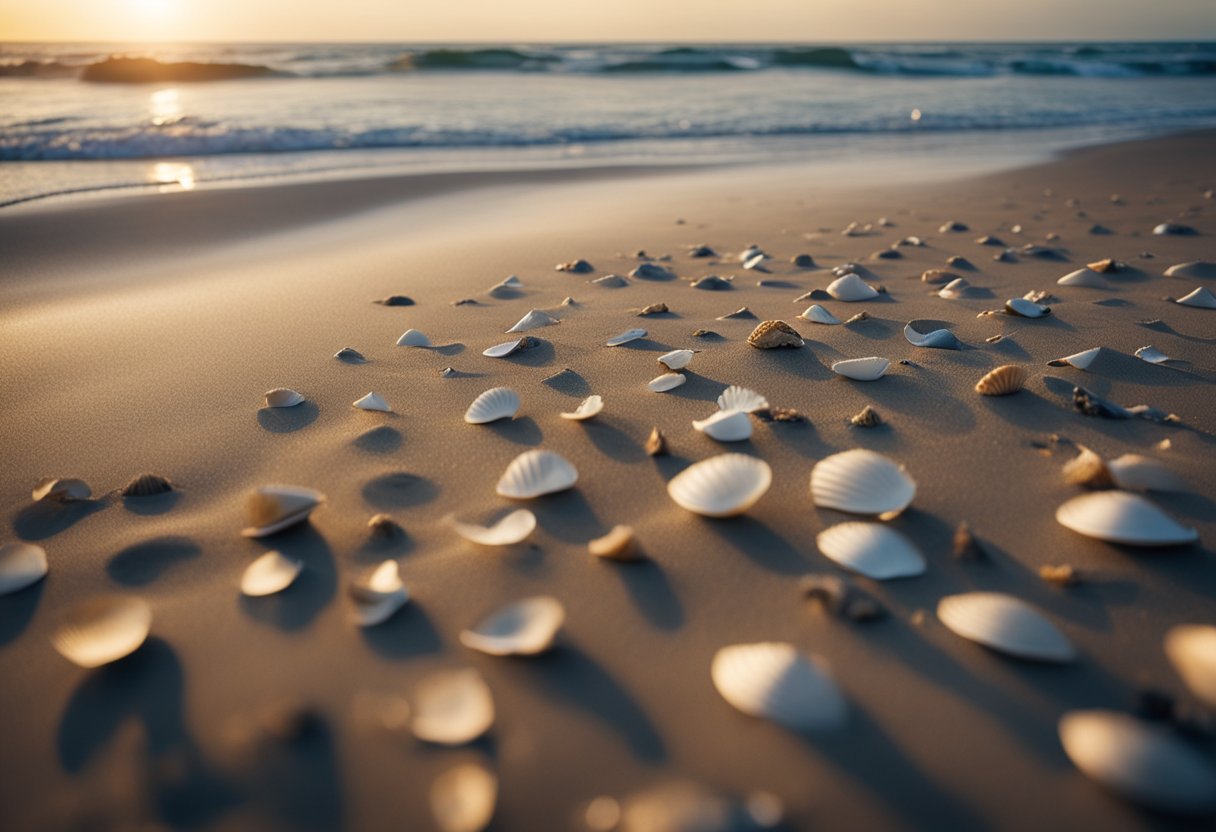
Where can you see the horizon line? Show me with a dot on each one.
(623, 42)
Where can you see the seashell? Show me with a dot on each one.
(726, 426)
(755, 262)
(625, 337)
(1026, 309)
(1152, 355)
(741, 313)
(1006, 624)
(959, 262)
(656, 443)
(774, 681)
(372, 401)
(1172, 229)
(272, 508)
(569, 301)
(862, 482)
(712, 282)
(1144, 763)
(781, 414)
(886, 254)
(1105, 265)
(579, 266)
(954, 226)
(378, 596)
(653, 309)
(21, 565)
(102, 630)
(858, 318)
(816, 314)
(535, 473)
(492, 405)
(463, 798)
(588, 408)
(751, 251)
(803, 261)
(1081, 360)
(1003, 381)
(666, 382)
(867, 418)
(851, 288)
(1133, 472)
(535, 319)
(1037, 295)
(395, 300)
(522, 628)
(452, 707)
(270, 573)
(721, 486)
(989, 240)
(510, 347)
(942, 339)
(773, 335)
(618, 544)
(871, 549)
(510, 530)
(65, 490)
(1197, 269)
(350, 355)
(862, 369)
(384, 527)
(610, 281)
(283, 397)
(650, 271)
(701, 251)
(1086, 278)
(1062, 575)
(1119, 517)
(964, 545)
(705, 333)
(676, 359)
(1201, 298)
(1088, 469)
(958, 288)
(512, 282)
(1089, 404)
(413, 338)
(740, 398)
(146, 485)
(1192, 651)
(932, 276)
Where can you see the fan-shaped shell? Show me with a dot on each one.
(625, 337)
(522, 628)
(1192, 650)
(851, 288)
(61, 490)
(492, 405)
(1006, 624)
(871, 549)
(1141, 762)
(535, 319)
(1085, 278)
(372, 401)
(536, 472)
(463, 798)
(774, 335)
(376, 597)
(270, 573)
(942, 339)
(272, 508)
(509, 347)
(1119, 517)
(666, 382)
(21, 565)
(103, 630)
(1081, 360)
(588, 408)
(774, 681)
(1197, 269)
(676, 359)
(862, 482)
(1003, 381)
(816, 314)
(1152, 355)
(1133, 472)
(147, 485)
(960, 287)
(452, 707)
(725, 426)
(740, 398)
(1201, 298)
(721, 486)
(413, 338)
(1026, 308)
(512, 529)
(283, 397)
(862, 369)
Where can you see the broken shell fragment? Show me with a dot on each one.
(588, 408)
(816, 314)
(625, 337)
(867, 418)
(102, 630)
(21, 565)
(725, 426)
(656, 443)
(850, 288)
(666, 382)
(773, 335)
(376, 597)
(1026, 309)
(676, 359)
(1002, 381)
(510, 347)
(618, 544)
(65, 490)
(1152, 355)
(535, 319)
(1120, 517)
(270, 573)
(522, 628)
(1081, 360)
(862, 482)
(741, 313)
(146, 485)
(1191, 649)
(740, 398)
(272, 508)
(871, 549)
(413, 338)
(492, 405)
(283, 397)
(1006, 624)
(452, 707)
(463, 798)
(774, 681)
(721, 486)
(372, 401)
(942, 339)
(535, 473)
(510, 530)
(350, 355)
(384, 527)
(862, 369)
(653, 309)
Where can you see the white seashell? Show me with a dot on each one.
(755, 261)
(625, 337)
(871, 549)
(960, 287)
(1141, 762)
(272, 508)
(750, 252)
(61, 490)
(534, 320)
(676, 359)
(452, 707)
(942, 339)
(721, 486)
(413, 338)
(522, 628)
(103, 630)
(1152, 355)
(666, 382)
(588, 408)
(1026, 308)
(378, 596)
(1197, 269)
(850, 288)
(21, 565)
(463, 798)
(372, 401)
(726, 426)
(511, 282)
(1081, 360)
(862, 482)
(1192, 650)
(283, 397)
(1086, 278)
(774, 681)
(270, 573)
(534, 473)
(512, 529)
(1133, 472)
(740, 398)
(1201, 298)
(1005, 623)
(506, 348)
(492, 405)
(1119, 517)
(862, 369)
(816, 314)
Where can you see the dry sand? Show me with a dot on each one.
(139, 333)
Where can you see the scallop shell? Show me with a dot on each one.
(1026, 309)
(1192, 650)
(666, 382)
(1133, 472)
(535, 319)
(21, 565)
(283, 397)
(452, 707)
(378, 596)
(625, 337)
(61, 490)
(272, 508)
(1081, 360)
(816, 314)
(1003, 381)
(413, 338)
(851, 288)
(618, 544)
(146, 485)
(1201, 298)
(1141, 762)
(510, 530)
(862, 482)
(773, 335)
(492, 405)
(103, 630)
(726, 426)
(1006, 624)
(509, 347)
(942, 339)
(1119, 517)
(740, 398)
(871, 549)
(372, 401)
(676, 359)
(1197, 269)
(463, 798)
(587, 409)
(1085, 278)
(272, 572)
(522, 628)
(721, 486)
(774, 681)
(536, 472)
(1152, 355)
(862, 369)
(958, 288)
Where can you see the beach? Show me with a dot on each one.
(140, 332)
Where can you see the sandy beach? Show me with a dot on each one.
(140, 332)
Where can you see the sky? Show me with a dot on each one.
(524, 21)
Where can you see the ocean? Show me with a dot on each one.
(90, 117)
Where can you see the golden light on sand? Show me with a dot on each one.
(173, 173)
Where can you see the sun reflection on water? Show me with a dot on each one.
(173, 173)
(165, 107)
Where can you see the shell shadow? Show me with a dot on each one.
(1010, 348)
(522, 430)
(376, 549)
(448, 349)
(152, 504)
(298, 782)
(288, 419)
(399, 489)
(569, 382)
(876, 329)
(295, 607)
(407, 633)
(16, 610)
(644, 345)
(612, 441)
(568, 516)
(45, 519)
(760, 544)
(144, 562)
(540, 355)
(651, 592)
(379, 440)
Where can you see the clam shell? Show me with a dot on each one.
(625, 337)
(816, 314)
(740, 398)
(1081, 360)
(376, 597)
(1119, 517)
(750, 252)
(1085, 278)
(535, 319)
(862, 369)
(618, 544)
(1025, 308)
(283, 397)
(61, 490)
(773, 335)
(666, 382)
(452, 707)
(774, 681)
(492, 405)
(862, 482)
(1006, 624)
(536, 472)
(1133, 472)
(942, 339)
(508, 347)
(272, 572)
(960, 287)
(871, 549)
(1197, 269)
(103, 630)
(676, 359)
(651, 271)
(726, 426)
(721, 486)
(350, 355)
(1201, 298)
(1141, 762)
(588, 408)
(272, 508)
(463, 798)
(413, 338)
(147, 485)
(1152, 355)
(512, 529)
(1192, 650)
(1003, 381)
(372, 401)
(851, 288)
(21, 565)
(522, 628)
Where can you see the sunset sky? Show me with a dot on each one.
(604, 20)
